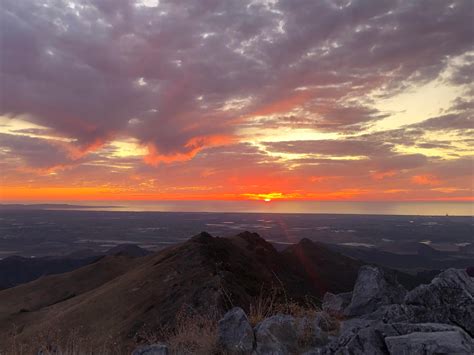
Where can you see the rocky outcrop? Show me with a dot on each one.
(276, 335)
(309, 333)
(374, 288)
(235, 334)
(446, 342)
(431, 319)
(334, 305)
(449, 298)
(381, 318)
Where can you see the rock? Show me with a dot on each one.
(449, 298)
(445, 342)
(324, 321)
(276, 335)
(405, 328)
(362, 336)
(374, 288)
(365, 341)
(334, 305)
(154, 349)
(395, 313)
(235, 334)
(309, 334)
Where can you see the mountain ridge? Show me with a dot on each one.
(204, 274)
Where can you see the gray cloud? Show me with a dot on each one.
(36, 153)
(93, 70)
(343, 147)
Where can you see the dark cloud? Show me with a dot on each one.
(35, 153)
(94, 70)
(447, 122)
(341, 147)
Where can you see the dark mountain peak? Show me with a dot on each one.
(308, 246)
(202, 237)
(307, 242)
(249, 235)
(132, 250)
(252, 241)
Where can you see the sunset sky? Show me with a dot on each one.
(236, 100)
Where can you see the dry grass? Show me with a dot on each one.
(193, 333)
(276, 302)
(55, 342)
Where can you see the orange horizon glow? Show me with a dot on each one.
(111, 194)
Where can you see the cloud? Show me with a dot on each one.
(333, 147)
(35, 153)
(96, 70)
(425, 180)
(450, 122)
(187, 80)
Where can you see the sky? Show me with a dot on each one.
(367, 100)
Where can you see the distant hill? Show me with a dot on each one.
(16, 270)
(423, 257)
(117, 296)
(40, 206)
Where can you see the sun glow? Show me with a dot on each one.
(268, 197)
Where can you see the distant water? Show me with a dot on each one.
(329, 207)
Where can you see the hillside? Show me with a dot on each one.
(119, 297)
(16, 270)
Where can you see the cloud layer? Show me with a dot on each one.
(200, 88)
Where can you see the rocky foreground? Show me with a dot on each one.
(378, 317)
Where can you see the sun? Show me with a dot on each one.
(267, 199)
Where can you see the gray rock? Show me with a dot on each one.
(334, 304)
(309, 334)
(365, 341)
(276, 335)
(445, 342)
(324, 321)
(449, 298)
(154, 349)
(395, 313)
(405, 328)
(374, 288)
(235, 334)
(362, 336)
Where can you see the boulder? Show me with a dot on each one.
(276, 335)
(374, 288)
(154, 349)
(324, 321)
(235, 334)
(449, 298)
(360, 336)
(334, 305)
(445, 342)
(396, 313)
(308, 333)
